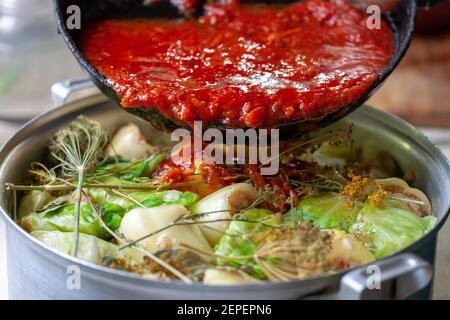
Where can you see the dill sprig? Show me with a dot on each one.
(286, 253)
(76, 149)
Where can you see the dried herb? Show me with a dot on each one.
(287, 253)
(76, 149)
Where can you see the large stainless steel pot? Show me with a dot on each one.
(37, 272)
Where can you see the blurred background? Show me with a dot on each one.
(33, 57)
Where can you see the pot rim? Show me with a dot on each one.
(80, 105)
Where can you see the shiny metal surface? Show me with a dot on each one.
(32, 57)
(38, 272)
(72, 89)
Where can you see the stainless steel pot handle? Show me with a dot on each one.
(73, 89)
(398, 277)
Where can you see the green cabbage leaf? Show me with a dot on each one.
(62, 219)
(146, 198)
(126, 170)
(91, 248)
(244, 235)
(328, 211)
(388, 229)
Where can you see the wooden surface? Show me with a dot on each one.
(419, 89)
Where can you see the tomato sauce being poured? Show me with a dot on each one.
(242, 65)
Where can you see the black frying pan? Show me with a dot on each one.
(401, 20)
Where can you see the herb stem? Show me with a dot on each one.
(406, 200)
(162, 263)
(60, 187)
(189, 223)
(76, 226)
(215, 255)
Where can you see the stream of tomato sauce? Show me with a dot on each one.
(242, 65)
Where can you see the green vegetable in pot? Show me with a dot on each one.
(376, 163)
(128, 198)
(390, 228)
(33, 201)
(130, 170)
(75, 150)
(140, 222)
(242, 238)
(122, 169)
(222, 205)
(328, 211)
(62, 218)
(385, 229)
(111, 206)
(92, 249)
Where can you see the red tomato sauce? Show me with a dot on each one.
(242, 65)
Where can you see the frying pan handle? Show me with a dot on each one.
(398, 277)
(73, 89)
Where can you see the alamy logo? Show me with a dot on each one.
(230, 146)
(73, 281)
(374, 280)
(374, 19)
(74, 19)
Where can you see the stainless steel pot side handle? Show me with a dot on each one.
(399, 277)
(73, 89)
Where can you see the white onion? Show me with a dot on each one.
(224, 277)
(140, 222)
(347, 249)
(223, 204)
(129, 144)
